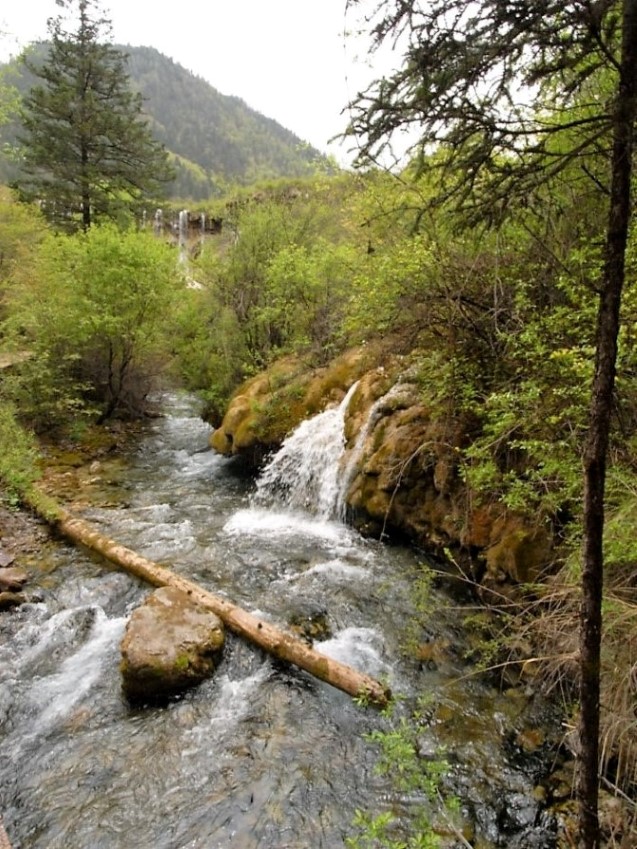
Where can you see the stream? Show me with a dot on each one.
(261, 755)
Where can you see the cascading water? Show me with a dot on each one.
(304, 473)
(261, 756)
(182, 233)
(158, 224)
(349, 469)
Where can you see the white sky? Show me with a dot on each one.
(291, 60)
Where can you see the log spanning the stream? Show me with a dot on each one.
(273, 640)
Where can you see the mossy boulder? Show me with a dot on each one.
(516, 552)
(266, 408)
(170, 644)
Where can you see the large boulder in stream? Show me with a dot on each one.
(170, 644)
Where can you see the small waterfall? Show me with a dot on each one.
(304, 473)
(159, 222)
(182, 233)
(202, 231)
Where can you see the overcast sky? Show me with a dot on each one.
(291, 60)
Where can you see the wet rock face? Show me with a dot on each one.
(170, 644)
(406, 479)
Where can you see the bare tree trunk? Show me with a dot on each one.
(596, 448)
(276, 642)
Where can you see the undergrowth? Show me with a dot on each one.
(18, 469)
(417, 810)
(534, 641)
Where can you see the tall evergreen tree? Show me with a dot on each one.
(87, 150)
(506, 91)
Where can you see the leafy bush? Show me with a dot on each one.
(93, 312)
(413, 778)
(276, 288)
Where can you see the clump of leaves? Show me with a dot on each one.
(417, 803)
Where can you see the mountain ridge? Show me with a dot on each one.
(215, 140)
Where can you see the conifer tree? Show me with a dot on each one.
(88, 152)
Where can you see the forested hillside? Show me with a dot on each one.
(215, 140)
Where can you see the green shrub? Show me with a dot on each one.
(93, 312)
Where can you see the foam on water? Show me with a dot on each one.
(232, 703)
(165, 540)
(260, 522)
(337, 570)
(43, 639)
(204, 463)
(234, 696)
(361, 648)
(56, 695)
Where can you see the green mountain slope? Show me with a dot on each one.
(215, 139)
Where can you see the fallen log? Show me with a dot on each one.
(273, 640)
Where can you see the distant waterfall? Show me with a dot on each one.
(304, 473)
(182, 234)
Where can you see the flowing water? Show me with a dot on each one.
(261, 755)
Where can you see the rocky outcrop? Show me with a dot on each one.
(401, 463)
(170, 644)
(407, 481)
